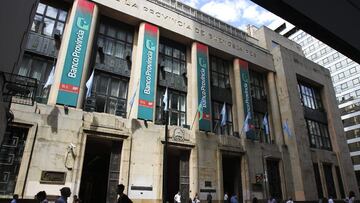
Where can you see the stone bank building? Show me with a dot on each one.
(91, 136)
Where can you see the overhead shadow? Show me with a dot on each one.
(53, 118)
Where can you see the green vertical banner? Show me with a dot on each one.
(246, 95)
(75, 55)
(148, 73)
(202, 57)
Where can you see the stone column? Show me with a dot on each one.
(194, 172)
(277, 132)
(239, 112)
(82, 71)
(136, 86)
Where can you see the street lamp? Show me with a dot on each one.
(166, 114)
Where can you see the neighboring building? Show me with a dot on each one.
(138, 50)
(345, 75)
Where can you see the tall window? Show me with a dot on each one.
(259, 127)
(219, 72)
(177, 107)
(110, 93)
(49, 20)
(257, 86)
(115, 41)
(318, 135)
(259, 102)
(310, 96)
(221, 93)
(227, 129)
(172, 57)
(38, 68)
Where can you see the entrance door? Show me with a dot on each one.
(273, 175)
(232, 175)
(184, 176)
(178, 174)
(11, 152)
(100, 172)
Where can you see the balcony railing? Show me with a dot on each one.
(18, 89)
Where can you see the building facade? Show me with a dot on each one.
(240, 120)
(345, 76)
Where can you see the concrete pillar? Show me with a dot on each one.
(194, 172)
(67, 42)
(234, 103)
(275, 118)
(239, 111)
(136, 83)
(245, 179)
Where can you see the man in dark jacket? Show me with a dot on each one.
(122, 197)
(65, 193)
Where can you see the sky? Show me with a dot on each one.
(238, 13)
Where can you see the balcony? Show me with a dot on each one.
(18, 89)
(41, 44)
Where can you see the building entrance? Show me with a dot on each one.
(178, 174)
(232, 175)
(11, 153)
(100, 172)
(273, 176)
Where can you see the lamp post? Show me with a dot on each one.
(166, 114)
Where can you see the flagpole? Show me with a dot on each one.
(258, 134)
(137, 85)
(242, 130)
(194, 119)
(216, 125)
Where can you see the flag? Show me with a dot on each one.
(132, 99)
(89, 84)
(165, 100)
(247, 126)
(286, 128)
(265, 123)
(223, 115)
(200, 110)
(50, 79)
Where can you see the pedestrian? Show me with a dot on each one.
(234, 199)
(226, 198)
(351, 197)
(41, 197)
(255, 200)
(65, 193)
(320, 199)
(177, 197)
(272, 200)
(123, 198)
(330, 199)
(196, 199)
(290, 200)
(15, 198)
(76, 199)
(209, 198)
